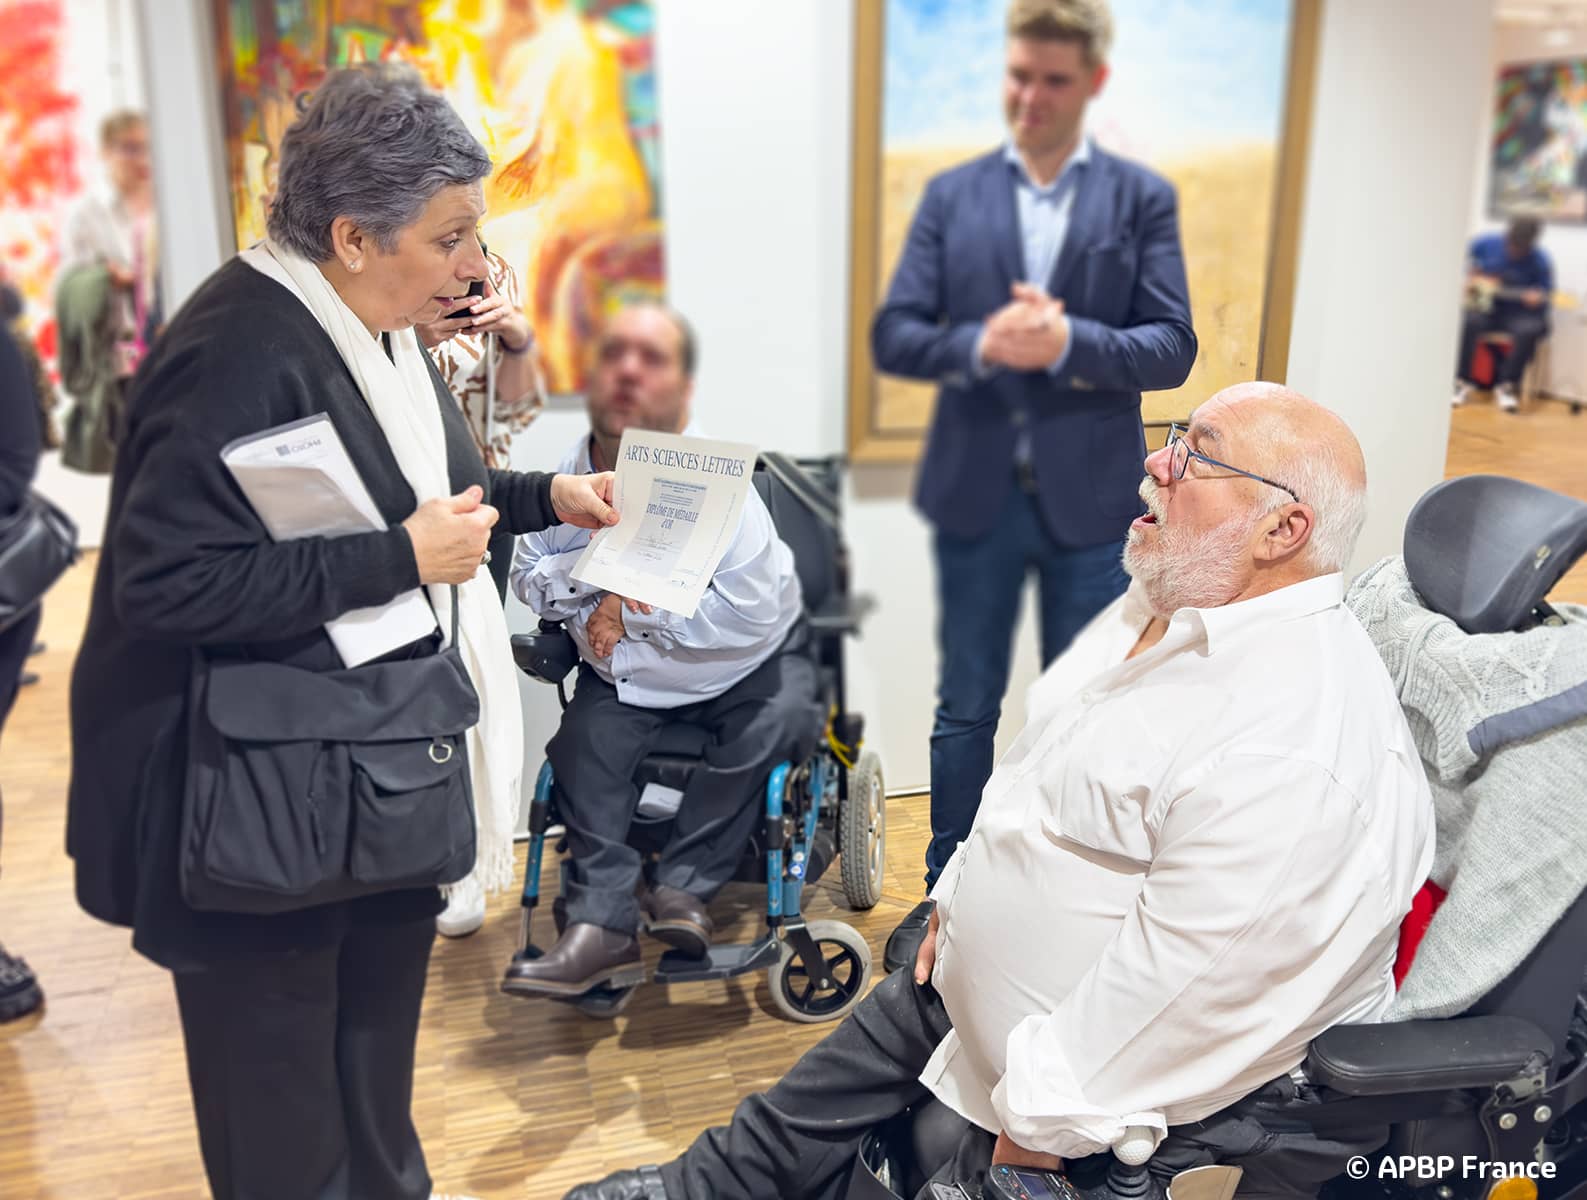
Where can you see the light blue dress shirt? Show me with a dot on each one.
(666, 661)
(1044, 214)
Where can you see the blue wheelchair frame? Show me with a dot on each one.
(787, 856)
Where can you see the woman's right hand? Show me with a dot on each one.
(449, 536)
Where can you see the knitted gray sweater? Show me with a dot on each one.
(1500, 721)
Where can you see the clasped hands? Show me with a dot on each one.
(605, 627)
(1026, 334)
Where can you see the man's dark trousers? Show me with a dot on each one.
(1525, 327)
(979, 582)
(754, 725)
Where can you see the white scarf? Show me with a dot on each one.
(401, 394)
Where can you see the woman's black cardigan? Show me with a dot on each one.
(185, 563)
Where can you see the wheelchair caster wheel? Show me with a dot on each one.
(848, 960)
(863, 833)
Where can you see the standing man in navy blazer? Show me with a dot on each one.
(1043, 287)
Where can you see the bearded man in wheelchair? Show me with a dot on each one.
(739, 669)
(1194, 859)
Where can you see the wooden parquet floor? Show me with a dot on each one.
(514, 1099)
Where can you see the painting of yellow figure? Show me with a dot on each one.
(560, 92)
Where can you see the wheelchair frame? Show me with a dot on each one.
(818, 969)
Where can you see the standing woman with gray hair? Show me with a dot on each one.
(300, 1015)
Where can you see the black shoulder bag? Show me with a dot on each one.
(307, 787)
(37, 543)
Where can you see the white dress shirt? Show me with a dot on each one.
(664, 660)
(1188, 865)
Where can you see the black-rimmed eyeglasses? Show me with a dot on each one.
(1181, 454)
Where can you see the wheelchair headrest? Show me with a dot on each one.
(1485, 550)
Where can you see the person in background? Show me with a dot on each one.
(20, 446)
(1043, 287)
(107, 292)
(492, 342)
(1509, 290)
(11, 315)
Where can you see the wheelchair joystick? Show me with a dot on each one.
(1128, 1178)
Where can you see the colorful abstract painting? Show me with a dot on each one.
(1540, 141)
(1197, 91)
(561, 92)
(39, 156)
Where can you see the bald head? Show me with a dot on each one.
(1277, 432)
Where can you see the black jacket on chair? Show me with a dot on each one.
(186, 563)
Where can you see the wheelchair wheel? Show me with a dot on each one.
(849, 962)
(863, 828)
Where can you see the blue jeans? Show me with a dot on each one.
(979, 582)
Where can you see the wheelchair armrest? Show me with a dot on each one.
(547, 655)
(842, 616)
(1428, 1055)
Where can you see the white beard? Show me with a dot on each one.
(1185, 569)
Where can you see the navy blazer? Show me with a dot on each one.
(1121, 276)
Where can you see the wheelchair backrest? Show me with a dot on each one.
(803, 500)
(1545, 987)
(1484, 550)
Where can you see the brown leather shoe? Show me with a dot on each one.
(678, 919)
(584, 957)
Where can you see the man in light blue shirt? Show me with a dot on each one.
(739, 668)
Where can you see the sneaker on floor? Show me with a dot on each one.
(1462, 394)
(465, 911)
(19, 991)
(1507, 399)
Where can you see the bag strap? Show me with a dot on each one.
(454, 616)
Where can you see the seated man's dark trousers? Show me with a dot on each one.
(754, 725)
(798, 1140)
(1526, 327)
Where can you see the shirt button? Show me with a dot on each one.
(644, 635)
(624, 679)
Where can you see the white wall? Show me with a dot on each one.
(1383, 232)
(1565, 362)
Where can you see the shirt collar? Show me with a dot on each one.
(1079, 158)
(1214, 627)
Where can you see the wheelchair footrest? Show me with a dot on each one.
(722, 962)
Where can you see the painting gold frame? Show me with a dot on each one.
(870, 440)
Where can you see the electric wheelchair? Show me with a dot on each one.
(1503, 1083)
(828, 802)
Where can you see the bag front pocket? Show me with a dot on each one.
(413, 822)
(266, 829)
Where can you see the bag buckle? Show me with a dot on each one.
(440, 759)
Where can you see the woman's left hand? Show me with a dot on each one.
(492, 314)
(584, 500)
